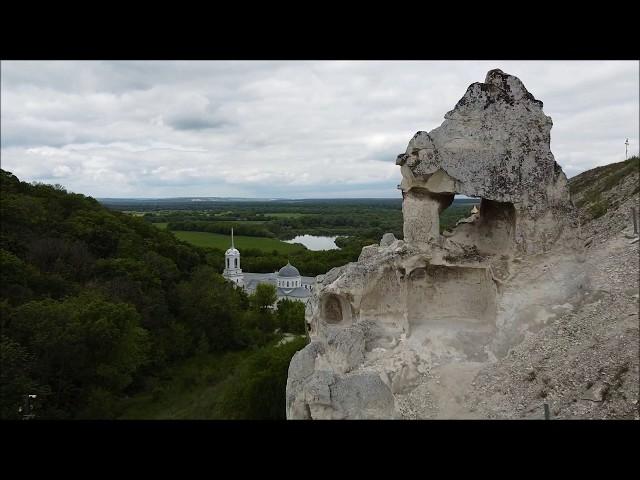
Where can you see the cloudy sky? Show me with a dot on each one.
(312, 129)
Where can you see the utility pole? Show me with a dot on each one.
(626, 149)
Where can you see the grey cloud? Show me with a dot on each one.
(287, 128)
(193, 122)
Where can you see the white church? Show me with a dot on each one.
(288, 281)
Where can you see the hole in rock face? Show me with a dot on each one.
(451, 214)
(493, 231)
(332, 309)
(444, 200)
(497, 226)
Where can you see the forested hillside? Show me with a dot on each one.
(96, 306)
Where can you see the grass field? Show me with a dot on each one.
(161, 225)
(217, 240)
(289, 215)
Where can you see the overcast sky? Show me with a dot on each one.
(311, 129)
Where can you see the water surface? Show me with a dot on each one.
(313, 242)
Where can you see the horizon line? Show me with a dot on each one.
(264, 198)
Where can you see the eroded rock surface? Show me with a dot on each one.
(401, 332)
(493, 145)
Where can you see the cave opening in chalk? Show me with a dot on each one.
(462, 210)
(332, 309)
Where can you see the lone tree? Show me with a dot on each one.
(264, 297)
(261, 301)
(291, 316)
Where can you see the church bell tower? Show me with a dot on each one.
(232, 270)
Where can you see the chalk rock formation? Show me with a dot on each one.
(493, 145)
(381, 324)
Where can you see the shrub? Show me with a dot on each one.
(598, 209)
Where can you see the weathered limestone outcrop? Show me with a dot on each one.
(381, 324)
(493, 145)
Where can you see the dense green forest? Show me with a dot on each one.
(97, 308)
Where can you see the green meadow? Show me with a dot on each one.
(289, 215)
(217, 240)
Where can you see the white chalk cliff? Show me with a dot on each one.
(400, 332)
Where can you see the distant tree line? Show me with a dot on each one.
(249, 230)
(356, 223)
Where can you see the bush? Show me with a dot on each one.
(598, 209)
(257, 389)
(291, 316)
